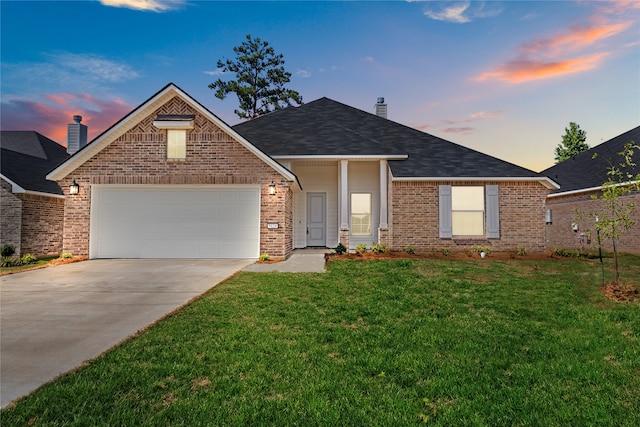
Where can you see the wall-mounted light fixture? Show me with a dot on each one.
(74, 188)
(272, 188)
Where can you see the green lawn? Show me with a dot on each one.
(373, 343)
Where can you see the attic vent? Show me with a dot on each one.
(381, 108)
(174, 121)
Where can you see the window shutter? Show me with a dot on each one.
(445, 212)
(493, 212)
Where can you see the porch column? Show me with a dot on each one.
(344, 203)
(344, 194)
(384, 220)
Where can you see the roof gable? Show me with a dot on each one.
(27, 157)
(145, 110)
(326, 127)
(584, 172)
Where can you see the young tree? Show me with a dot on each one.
(573, 143)
(260, 79)
(616, 215)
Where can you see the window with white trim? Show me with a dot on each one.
(176, 144)
(361, 214)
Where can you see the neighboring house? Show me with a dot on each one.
(581, 177)
(32, 206)
(172, 180)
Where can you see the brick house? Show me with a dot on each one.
(32, 206)
(172, 180)
(581, 177)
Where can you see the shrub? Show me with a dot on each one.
(409, 249)
(264, 257)
(340, 249)
(361, 248)
(378, 248)
(479, 249)
(66, 255)
(445, 251)
(521, 251)
(6, 261)
(568, 253)
(7, 250)
(28, 259)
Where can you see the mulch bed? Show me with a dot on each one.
(621, 292)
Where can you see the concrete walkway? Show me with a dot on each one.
(301, 261)
(54, 319)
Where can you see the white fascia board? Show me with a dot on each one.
(40, 193)
(542, 180)
(354, 158)
(15, 188)
(589, 190)
(144, 110)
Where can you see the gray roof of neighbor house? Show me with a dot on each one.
(325, 127)
(584, 171)
(27, 157)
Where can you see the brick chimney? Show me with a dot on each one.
(76, 135)
(381, 108)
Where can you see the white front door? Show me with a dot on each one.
(317, 219)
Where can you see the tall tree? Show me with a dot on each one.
(260, 79)
(573, 143)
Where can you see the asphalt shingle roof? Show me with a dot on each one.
(584, 171)
(27, 157)
(327, 127)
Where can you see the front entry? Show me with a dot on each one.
(316, 219)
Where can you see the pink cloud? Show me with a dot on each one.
(464, 130)
(566, 52)
(51, 118)
(524, 70)
(575, 38)
(619, 7)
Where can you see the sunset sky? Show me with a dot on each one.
(504, 78)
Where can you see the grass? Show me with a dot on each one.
(384, 343)
(40, 263)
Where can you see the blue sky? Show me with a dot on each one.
(504, 78)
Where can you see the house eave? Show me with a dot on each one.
(588, 190)
(17, 189)
(548, 183)
(344, 157)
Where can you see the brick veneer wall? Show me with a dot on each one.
(564, 212)
(11, 218)
(415, 219)
(42, 225)
(213, 157)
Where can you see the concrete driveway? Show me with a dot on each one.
(55, 318)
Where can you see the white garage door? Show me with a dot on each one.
(175, 221)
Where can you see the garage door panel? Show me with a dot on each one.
(174, 222)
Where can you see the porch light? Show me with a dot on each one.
(272, 188)
(74, 188)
